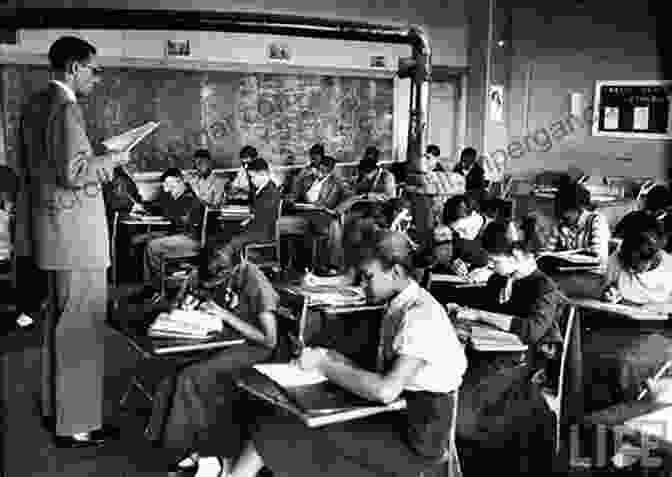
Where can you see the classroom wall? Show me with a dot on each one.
(565, 48)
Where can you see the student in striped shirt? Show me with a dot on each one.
(579, 227)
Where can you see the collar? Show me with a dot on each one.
(403, 297)
(263, 186)
(69, 93)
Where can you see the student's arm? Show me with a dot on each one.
(538, 319)
(265, 336)
(373, 386)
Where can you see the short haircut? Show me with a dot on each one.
(258, 164)
(390, 249)
(658, 198)
(317, 149)
(172, 172)
(572, 196)
(498, 239)
(468, 152)
(433, 149)
(248, 152)
(202, 153)
(367, 164)
(372, 152)
(328, 162)
(452, 205)
(67, 49)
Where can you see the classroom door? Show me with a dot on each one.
(444, 116)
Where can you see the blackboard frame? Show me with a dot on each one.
(627, 90)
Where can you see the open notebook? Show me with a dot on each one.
(317, 400)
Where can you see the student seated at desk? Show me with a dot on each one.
(640, 272)
(207, 186)
(240, 189)
(328, 192)
(420, 355)
(579, 228)
(307, 174)
(502, 416)
(197, 412)
(265, 200)
(373, 179)
(461, 214)
(121, 193)
(180, 205)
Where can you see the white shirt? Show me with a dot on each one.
(68, 91)
(426, 332)
(314, 192)
(653, 286)
(469, 227)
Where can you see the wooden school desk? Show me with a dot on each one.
(622, 346)
(133, 321)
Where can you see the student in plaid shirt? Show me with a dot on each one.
(579, 228)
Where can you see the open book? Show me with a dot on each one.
(128, 140)
(328, 295)
(178, 323)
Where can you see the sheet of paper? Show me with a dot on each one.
(129, 139)
(635, 313)
(641, 119)
(287, 375)
(610, 118)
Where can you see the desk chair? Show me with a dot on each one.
(274, 263)
(188, 258)
(113, 248)
(317, 243)
(558, 396)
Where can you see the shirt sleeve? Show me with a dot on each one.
(420, 335)
(599, 236)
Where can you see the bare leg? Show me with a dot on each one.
(249, 463)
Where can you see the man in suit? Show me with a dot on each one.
(265, 202)
(329, 194)
(472, 171)
(67, 223)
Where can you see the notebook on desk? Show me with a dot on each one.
(309, 396)
(568, 261)
(644, 313)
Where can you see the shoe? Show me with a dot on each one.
(177, 470)
(73, 442)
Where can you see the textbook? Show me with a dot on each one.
(126, 141)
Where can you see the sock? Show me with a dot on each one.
(24, 320)
(209, 467)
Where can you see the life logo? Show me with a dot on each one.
(635, 443)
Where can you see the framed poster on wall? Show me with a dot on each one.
(633, 109)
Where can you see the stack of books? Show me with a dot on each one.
(187, 324)
(321, 295)
(569, 260)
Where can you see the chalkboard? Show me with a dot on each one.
(633, 109)
(282, 115)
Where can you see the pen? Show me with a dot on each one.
(656, 377)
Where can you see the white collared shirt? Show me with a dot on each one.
(652, 286)
(313, 194)
(68, 91)
(426, 332)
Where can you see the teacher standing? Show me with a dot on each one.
(69, 238)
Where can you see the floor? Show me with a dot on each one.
(27, 446)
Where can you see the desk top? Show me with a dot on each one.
(632, 312)
(266, 389)
(144, 220)
(133, 322)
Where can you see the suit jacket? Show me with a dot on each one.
(185, 212)
(333, 191)
(265, 210)
(383, 183)
(475, 179)
(62, 218)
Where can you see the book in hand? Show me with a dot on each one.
(126, 141)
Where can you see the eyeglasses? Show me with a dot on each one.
(95, 69)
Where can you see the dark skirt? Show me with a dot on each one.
(380, 445)
(199, 409)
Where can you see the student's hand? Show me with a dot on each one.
(613, 295)
(312, 358)
(460, 268)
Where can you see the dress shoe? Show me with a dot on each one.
(75, 442)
